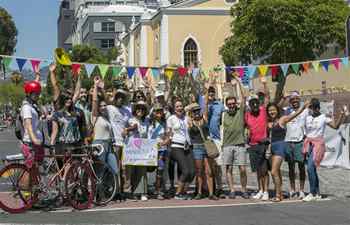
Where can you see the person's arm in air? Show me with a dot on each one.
(286, 119)
(335, 124)
(266, 90)
(77, 89)
(56, 89)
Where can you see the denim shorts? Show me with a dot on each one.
(162, 155)
(279, 148)
(199, 152)
(294, 152)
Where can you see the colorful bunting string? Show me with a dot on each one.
(89, 69)
(7, 61)
(20, 63)
(75, 68)
(131, 71)
(316, 65)
(336, 62)
(116, 70)
(155, 73)
(306, 67)
(263, 70)
(103, 69)
(295, 68)
(251, 71)
(345, 62)
(143, 71)
(182, 71)
(169, 72)
(325, 65)
(35, 64)
(284, 68)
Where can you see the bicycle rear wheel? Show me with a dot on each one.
(80, 186)
(15, 188)
(106, 184)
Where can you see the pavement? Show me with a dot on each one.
(333, 209)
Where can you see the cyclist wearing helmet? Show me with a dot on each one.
(33, 137)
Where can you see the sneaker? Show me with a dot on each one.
(258, 195)
(220, 193)
(318, 197)
(213, 197)
(245, 195)
(301, 195)
(232, 195)
(293, 195)
(144, 198)
(180, 197)
(160, 197)
(310, 197)
(198, 197)
(265, 196)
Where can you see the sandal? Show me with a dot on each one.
(277, 199)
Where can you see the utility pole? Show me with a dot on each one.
(347, 33)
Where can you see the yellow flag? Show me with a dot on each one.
(169, 73)
(316, 65)
(263, 70)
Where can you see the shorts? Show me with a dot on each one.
(199, 152)
(32, 154)
(219, 159)
(294, 152)
(257, 158)
(162, 155)
(235, 155)
(279, 148)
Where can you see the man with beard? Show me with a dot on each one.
(83, 105)
(295, 139)
(256, 122)
(234, 151)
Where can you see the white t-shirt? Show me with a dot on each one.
(315, 126)
(179, 129)
(295, 128)
(142, 128)
(28, 112)
(102, 129)
(119, 118)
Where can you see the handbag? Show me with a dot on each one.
(210, 146)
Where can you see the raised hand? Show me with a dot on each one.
(52, 67)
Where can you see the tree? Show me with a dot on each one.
(283, 31)
(8, 33)
(11, 93)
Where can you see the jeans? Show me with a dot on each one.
(108, 157)
(312, 173)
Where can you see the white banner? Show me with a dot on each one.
(337, 147)
(141, 152)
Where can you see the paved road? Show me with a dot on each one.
(334, 212)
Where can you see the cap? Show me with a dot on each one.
(159, 93)
(251, 97)
(294, 94)
(195, 107)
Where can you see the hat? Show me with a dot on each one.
(251, 97)
(158, 106)
(294, 94)
(195, 107)
(62, 57)
(141, 103)
(159, 93)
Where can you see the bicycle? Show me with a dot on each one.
(21, 187)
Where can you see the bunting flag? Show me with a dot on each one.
(76, 68)
(143, 71)
(263, 70)
(155, 73)
(306, 67)
(245, 78)
(182, 71)
(284, 68)
(35, 64)
(251, 71)
(89, 69)
(229, 70)
(103, 69)
(195, 72)
(295, 68)
(345, 62)
(316, 65)
(169, 72)
(274, 72)
(240, 71)
(116, 70)
(336, 62)
(325, 65)
(131, 71)
(20, 63)
(7, 61)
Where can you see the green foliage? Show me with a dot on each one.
(8, 33)
(11, 93)
(280, 31)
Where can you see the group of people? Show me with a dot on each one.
(240, 127)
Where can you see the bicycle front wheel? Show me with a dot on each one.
(80, 186)
(106, 184)
(15, 188)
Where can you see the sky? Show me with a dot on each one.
(36, 22)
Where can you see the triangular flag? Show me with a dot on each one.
(263, 70)
(7, 61)
(89, 69)
(325, 65)
(20, 63)
(284, 68)
(195, 72)
(75, 68)
(274, 70)
(251, 71)
(240, 71)
(182, 71)
(345, 61)
(116, 71)
(35, 64)
(143, 71)
(316, 65)
(103, 69)
(229, 71)
(155, 72)
(336, 62)
(131, 71)
(169, 72)
(295, 67)
(306, 67)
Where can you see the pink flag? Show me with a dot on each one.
(35, 64)
(143, 71)
(336, 63)
(182, 71)
(75, 69)
(240, 71)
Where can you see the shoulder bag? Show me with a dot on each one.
(210, 146)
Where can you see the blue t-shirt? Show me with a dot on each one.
(215, 109)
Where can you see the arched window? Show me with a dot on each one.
(190, 52)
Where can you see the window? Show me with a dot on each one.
(108, 27)
(190, 52)
(66, 17)
(107, 43)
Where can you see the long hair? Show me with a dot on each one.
(272, 104)
(153, 119)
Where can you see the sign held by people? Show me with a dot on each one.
(141, 152)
